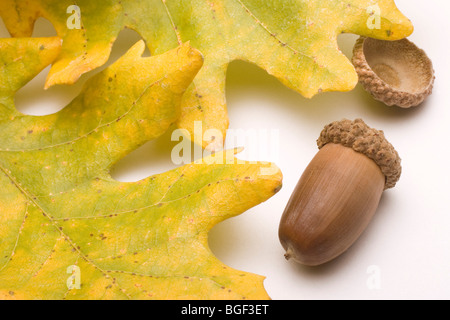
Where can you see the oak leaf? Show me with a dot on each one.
(68, 230)
(293, 40)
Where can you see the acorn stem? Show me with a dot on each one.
(288, 254)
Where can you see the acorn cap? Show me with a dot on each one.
(370, 142)
(394, 72)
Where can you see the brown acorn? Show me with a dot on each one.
(338, 193)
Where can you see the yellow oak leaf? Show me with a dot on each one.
(293, 40)
(68, 230)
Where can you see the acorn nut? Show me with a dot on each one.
(338, 193)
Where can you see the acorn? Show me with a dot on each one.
(338, 193)
(397, 73)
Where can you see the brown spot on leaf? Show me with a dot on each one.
(277, 189)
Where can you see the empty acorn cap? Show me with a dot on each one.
(358, 136)
(394, 72)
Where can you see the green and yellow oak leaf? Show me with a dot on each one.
(60, 210)
(293, 40)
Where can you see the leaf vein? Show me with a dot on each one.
(17, 239)
(54, 222)
(155, 204)
(73, 141)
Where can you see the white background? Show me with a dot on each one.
(409, 238)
